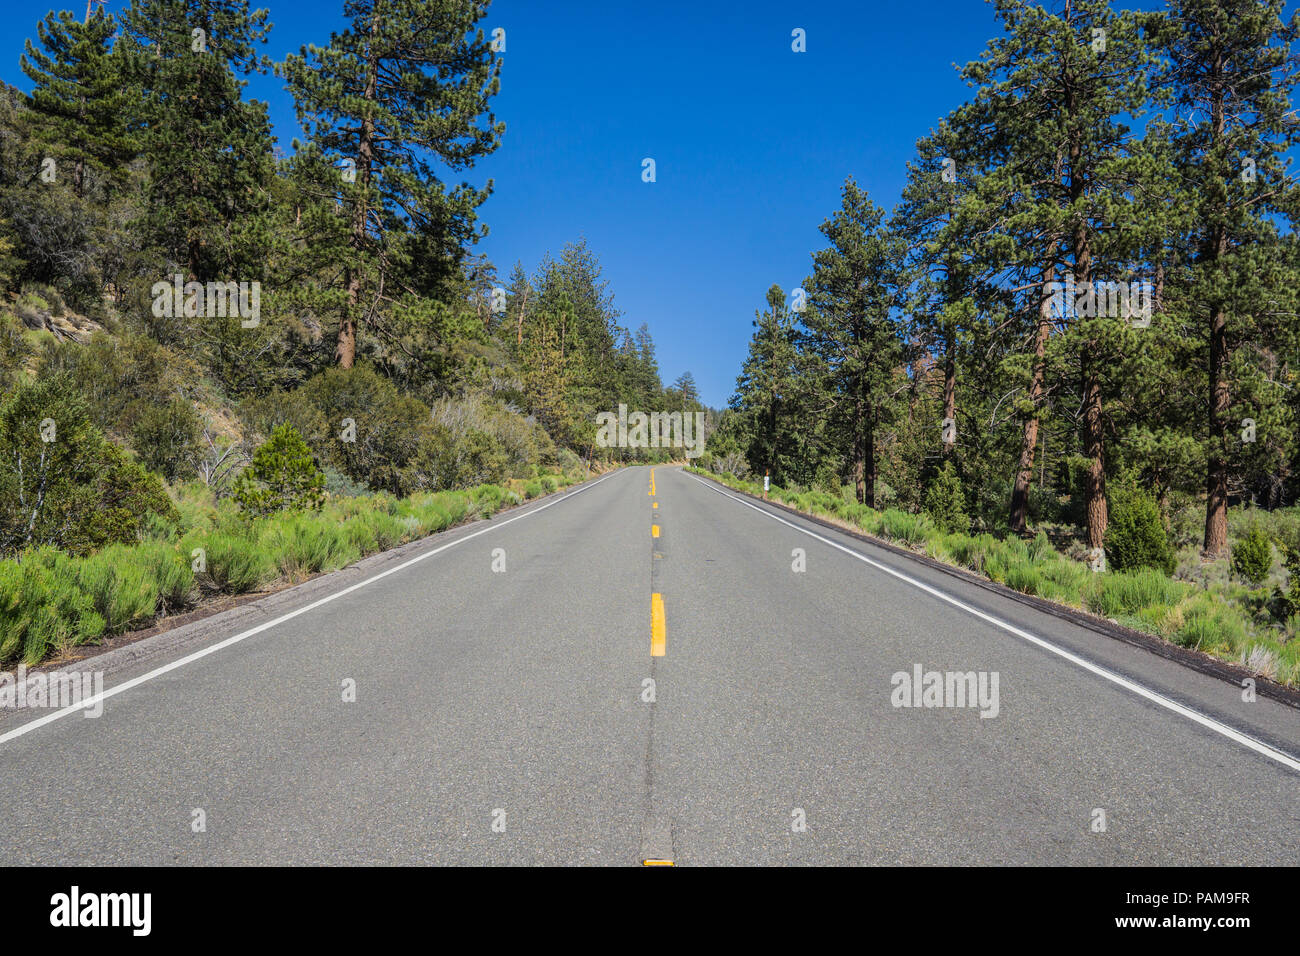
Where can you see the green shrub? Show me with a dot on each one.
(1129, 592)
(435, 512)
(301, 545)
(282, 477)
(232, 564)
(388, 426)
(939, 547)
(456, 505)
(123, 376)
(388, 530)
(1024, 578)
(973, 552)
(43, 607)
(15, 350)
(510, 445)
(125, 500)
(339, 485)
(1209, 625)
(905, 526)
(488, 498)
(122, 584)
(865, 517)
(945, 502)
(61, 482)
(361, 535)
(1040, 549)
(447, 460)
(1252, 556)
(1288, 668)
(166, 437)
(1135, 537)
(1065, 580)
(1289, 594)
(173, 573)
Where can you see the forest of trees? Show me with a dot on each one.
(137, 160)
(977, 329)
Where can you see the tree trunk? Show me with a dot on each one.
(950, 395)
(1094, 440)
(345, 351)
(1094, 443)
(869, 458)
(1216, 471)
(1093, 435)
(859, 448)
(519, 337)
(1216, 475)
(1037, 377)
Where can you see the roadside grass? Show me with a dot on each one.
(51, 602)
(1209, 611)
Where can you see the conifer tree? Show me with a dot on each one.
(81, 94)
(407, 79)
(851, 327)
(1057, 88)
(767, 392)
(209, 151)
(1232, 66)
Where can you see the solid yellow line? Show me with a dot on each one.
(658, 637)
(654, 531)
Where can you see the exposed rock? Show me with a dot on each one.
(69, 325)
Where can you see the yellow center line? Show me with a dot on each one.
(652, 482)
(654, 531)
(656, 504)
(658, 635)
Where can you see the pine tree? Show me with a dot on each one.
(282, 476)
(851, 327)
(209, 151)
(406, 80)
(690, 394)
(547, 378)
(943, 285)
(945, 501)
(80, 93)
(517, 295)
(767, 393)
(1055, 92)
(480, 280)
(1233, 69)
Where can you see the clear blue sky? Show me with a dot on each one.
(751, 140)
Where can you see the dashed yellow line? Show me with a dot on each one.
(654, 531)
(652, 482)
(658, 628)
(656, 504)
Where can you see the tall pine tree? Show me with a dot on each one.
(406, 82)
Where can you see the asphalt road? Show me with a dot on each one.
(502, 717)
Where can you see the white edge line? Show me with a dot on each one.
(90, 702)
(1209, 722)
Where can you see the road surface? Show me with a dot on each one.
(504, 716)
